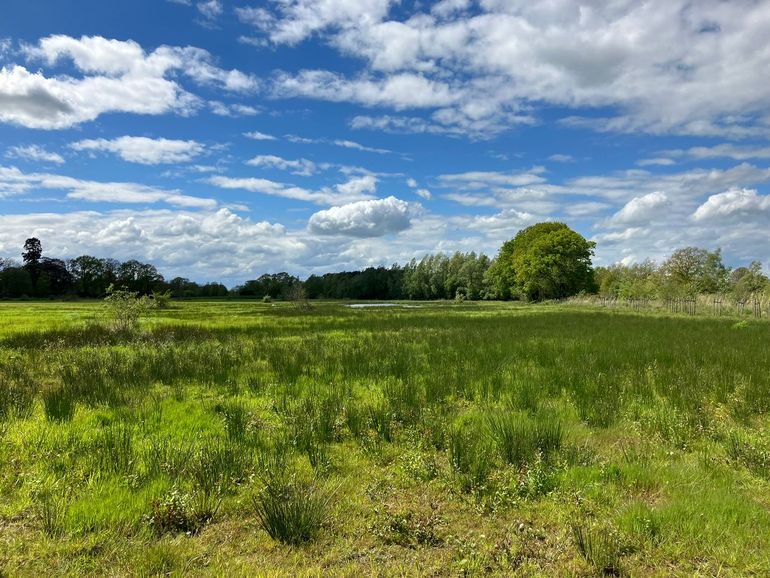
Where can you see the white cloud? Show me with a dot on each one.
(14, 181)
(374, 218)
(227, 246)
(660, 64)
(210, 9)
(256, 135)
(349, 144)
(561, 158)
(642, 209)
(424, 193)
(726, 150)
(358, 186)
(743, 203)
(34, 153)
(220, 108)
(302, 167)
(117, 76)
(399, 91)
(299, 19)
(143, 150)
(657, 161)
(354, 189)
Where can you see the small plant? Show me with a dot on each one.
(410, 529)
(162, 300)
(217, 467)
(290, 511)
(600, 547)
(236, 418)
(52, 511)
(518, 440)
(179, 512)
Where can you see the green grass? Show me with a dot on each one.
(242, 438)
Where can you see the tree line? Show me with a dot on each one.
(544, 261)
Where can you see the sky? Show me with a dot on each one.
(223, 139)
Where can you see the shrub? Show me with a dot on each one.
(290, 511)
(125, 308)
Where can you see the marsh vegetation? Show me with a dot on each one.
(451, 439)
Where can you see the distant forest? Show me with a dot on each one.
(546, 261)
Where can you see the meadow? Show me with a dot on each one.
(247, 438)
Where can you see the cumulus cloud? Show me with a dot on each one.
(642, 209)
(143, 150)
(299, 19)
(116, 76)
(659, 64)
(374, 218)
(734, 203)
(234, 110)
(725, 150)
(34, 153)
(227, 246)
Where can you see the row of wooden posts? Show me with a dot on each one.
(688, 306)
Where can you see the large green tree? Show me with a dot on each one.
(545, 261)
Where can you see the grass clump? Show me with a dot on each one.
(291, 511)
(601, 547)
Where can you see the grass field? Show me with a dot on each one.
(238, 438)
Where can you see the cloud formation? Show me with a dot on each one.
(143, 150)
(374, 218)
(117, 76)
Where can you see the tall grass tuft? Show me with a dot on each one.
(469, 456)
(600, 547)
(519, 439)
(114, 449)
(290, 511)
(59, 403)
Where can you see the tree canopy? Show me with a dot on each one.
(544, 261)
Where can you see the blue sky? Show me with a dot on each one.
(221, 140)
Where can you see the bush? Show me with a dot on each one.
(125, 308)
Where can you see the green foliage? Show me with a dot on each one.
(544, 261)
(125, 308)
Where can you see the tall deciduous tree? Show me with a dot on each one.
(546, 261)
